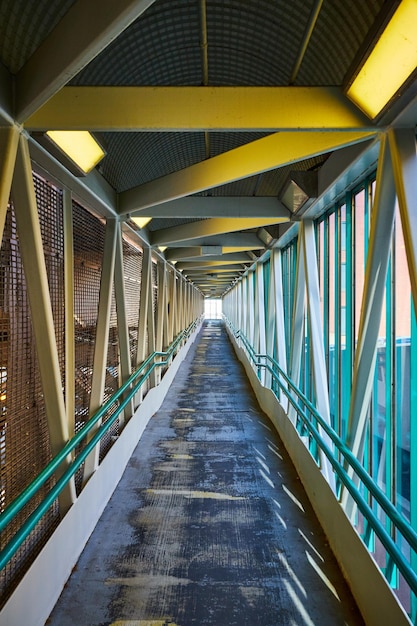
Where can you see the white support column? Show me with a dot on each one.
(31, 250)
(161, 312)
(298, 331)
(404, 160)
(318, 361)
(382, 221)
(255, 332)
(180, 305)
(145, 297)
(69, 313)
(102, 339)
(151, 324)
(173, 307)
(245, 316)
(240, 312)
(9, 138)
(187, 309)
(251, 309)
(271, 327)
(122, 322)
(280, 341)
(260, 343)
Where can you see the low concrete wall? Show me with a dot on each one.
(375, 599)
(39, 590)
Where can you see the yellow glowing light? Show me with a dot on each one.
(80, 146)
(390, 63)
(162, 248)
(141, 221)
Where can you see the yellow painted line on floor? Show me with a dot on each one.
(210, 495)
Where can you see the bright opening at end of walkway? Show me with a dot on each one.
(213, 308)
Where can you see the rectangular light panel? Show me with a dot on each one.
(80, 146)
(390, 63)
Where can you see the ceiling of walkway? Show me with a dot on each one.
(206, 109)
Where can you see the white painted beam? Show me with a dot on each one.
(403, 153)
(382, 222)
(101, 339)
(9, 138)
(122, 321)
(318, 361)
(256, 157)
(198, 109)
(69, 311)
(84, 31)
(31, 250)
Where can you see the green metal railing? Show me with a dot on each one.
(125, 394)
(298, 400)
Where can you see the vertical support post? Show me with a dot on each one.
(317, 341)
(251, 313)
(151, 322)
(31, 250)
(276, 329)
(122, 322)
(145, 295)
(69, 313)
(9, 138)
(404, 160)
(102, 338)
(180, 304)
(173, 307)
(260, 342)
(168, 313)
(375, 276)
(162, 312)
(298, 339)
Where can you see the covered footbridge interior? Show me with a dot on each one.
(254, 152)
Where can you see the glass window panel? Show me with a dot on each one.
(360, 227)
(402, 369)
(331, 326)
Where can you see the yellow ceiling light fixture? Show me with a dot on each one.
(79, 146)
(162, 248)
(391, 61)
(141, 222)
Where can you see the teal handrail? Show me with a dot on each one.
(398, 521)
(13, 509)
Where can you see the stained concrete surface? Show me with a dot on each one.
(209, 524)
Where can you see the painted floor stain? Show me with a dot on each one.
(209, 525)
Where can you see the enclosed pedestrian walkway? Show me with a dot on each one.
(258, 154)
(210, 524)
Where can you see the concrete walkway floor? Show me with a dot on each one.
(209, 524)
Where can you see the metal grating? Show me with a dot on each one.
(136, 158)
(162, 47)
(24, 435)
(24, 25)
(88, 255)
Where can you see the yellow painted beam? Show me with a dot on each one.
(204, 228)
(253, 158)
(198, 108)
